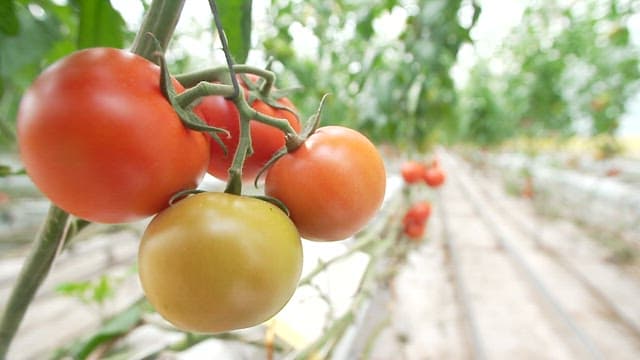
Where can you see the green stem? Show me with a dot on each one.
(35, 269)
(234, 185)
(281, 124)
(202, 89)
(161, 20)
(221, 74)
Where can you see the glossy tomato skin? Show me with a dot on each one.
(98, 138)
(332, 185)
(216, 262)
(265, 140)
(412, 171)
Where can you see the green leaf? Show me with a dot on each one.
(99, 25)
(30, 45)
(102, 290)
(77, 289)
(9, 24)
(235, 16)
(117, 326)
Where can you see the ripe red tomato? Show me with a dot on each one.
(412, 171)
(434, 176)
(98, 138)
(216, 262)
(415, 219)
(265, 140)
(333, 184)
(414, 231)
(419, 212)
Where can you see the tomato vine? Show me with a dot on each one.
(256, 102)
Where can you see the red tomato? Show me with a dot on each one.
(419, 212)
(434, 176)
(333, 184)
(412, 171)
(265, 140)
(414, 230)
(98, 138)
(415, 219)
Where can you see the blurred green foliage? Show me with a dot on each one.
(566, 70)
(386, 63)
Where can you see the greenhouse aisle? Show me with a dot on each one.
(493, 280)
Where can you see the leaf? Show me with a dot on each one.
(75, 289)
(30, 45)
(117, 326)
(235, 16)
(9, 24)
(99, 25)
(102, 290)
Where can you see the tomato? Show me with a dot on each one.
(414, 231)
(412, 171)
(265, 140)
(415, 219)
(434, 176)
(99, 139)
(215, 262)
(419, 212)
(332, 184)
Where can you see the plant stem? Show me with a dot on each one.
(202, 89)
(234, 185)
(281, 124)
(161, 20)
(221, 73)
(35, 269)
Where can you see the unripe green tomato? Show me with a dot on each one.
(216, 262)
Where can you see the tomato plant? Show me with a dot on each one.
(332, 184)
(412, 171)
(265, 140)
(97, 136)
(434, 176)
(215, 262)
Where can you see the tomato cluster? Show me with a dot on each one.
(100, 137)
(415, 220)
(414, 172)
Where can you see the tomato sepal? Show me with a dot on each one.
(274, 201)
